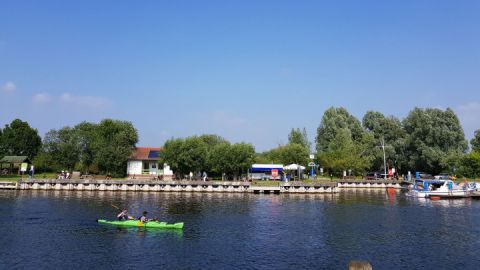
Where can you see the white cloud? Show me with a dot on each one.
(67, 99)
(41, 98)
(85, 101)
(469, 116)
(9, 87)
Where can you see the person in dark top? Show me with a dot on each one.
(144, 218)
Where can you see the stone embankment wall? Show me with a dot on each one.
(198, 186)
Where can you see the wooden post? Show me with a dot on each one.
(359, 265)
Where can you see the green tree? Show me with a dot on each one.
(86, 133)
(220, 159)
(170, 155)
(475, 142)
(343, 154)
(470, 165)
(285, 154)
(1, 143)
(194, 156)
(113, 145)
(19, 139)
(300, 137)
(390, 131)
(232, 160)
(63, 146)
(333, 120)
(243, 156)
(44, 162)
(186, 155)
(211, 139)
(435, 140)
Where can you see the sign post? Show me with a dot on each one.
(23, 168)
(274, 173)
(312, 166)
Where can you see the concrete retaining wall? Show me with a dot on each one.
(197, 186)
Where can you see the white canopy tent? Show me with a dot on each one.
(294, 167)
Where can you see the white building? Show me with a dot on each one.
(145, 161)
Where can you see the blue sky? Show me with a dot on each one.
(246, 70)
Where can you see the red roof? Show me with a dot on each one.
(146, 153)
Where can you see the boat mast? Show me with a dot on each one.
(384, 159)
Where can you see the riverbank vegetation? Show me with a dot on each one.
(428, 140)
(88, 147)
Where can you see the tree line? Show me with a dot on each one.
(88, 147)
(428, 140)
(208, 153)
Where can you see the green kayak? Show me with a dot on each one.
(137, 223)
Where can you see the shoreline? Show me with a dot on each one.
(195, 186)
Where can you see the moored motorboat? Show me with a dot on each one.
(438, 188)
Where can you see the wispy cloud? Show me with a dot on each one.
(74, 101)
(85, 101)
(9, 87)
(41, 98)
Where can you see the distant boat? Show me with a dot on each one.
(426, 188)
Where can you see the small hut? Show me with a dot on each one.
(10, 164)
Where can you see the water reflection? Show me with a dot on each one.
(143, 232)
(308, 231)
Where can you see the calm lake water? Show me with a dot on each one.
(58, 230)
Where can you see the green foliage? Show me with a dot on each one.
(113, 144)
(475, 142)
(231, 159)
(186, 155)
(209, 153)
(300, 137)
(285, 154)
(19, 139)
(104, 147)
(1, 149)
(333, 120)
(243, 156)
(170, 155)
(470, 165)
(435, 140)
(63, 147)
(343, 153)
(211, 139)
(389, 128)
(342, 143)
(391, 131)
(44, 162)
(87, 134)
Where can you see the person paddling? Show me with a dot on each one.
(144, 218)
(124, 215)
